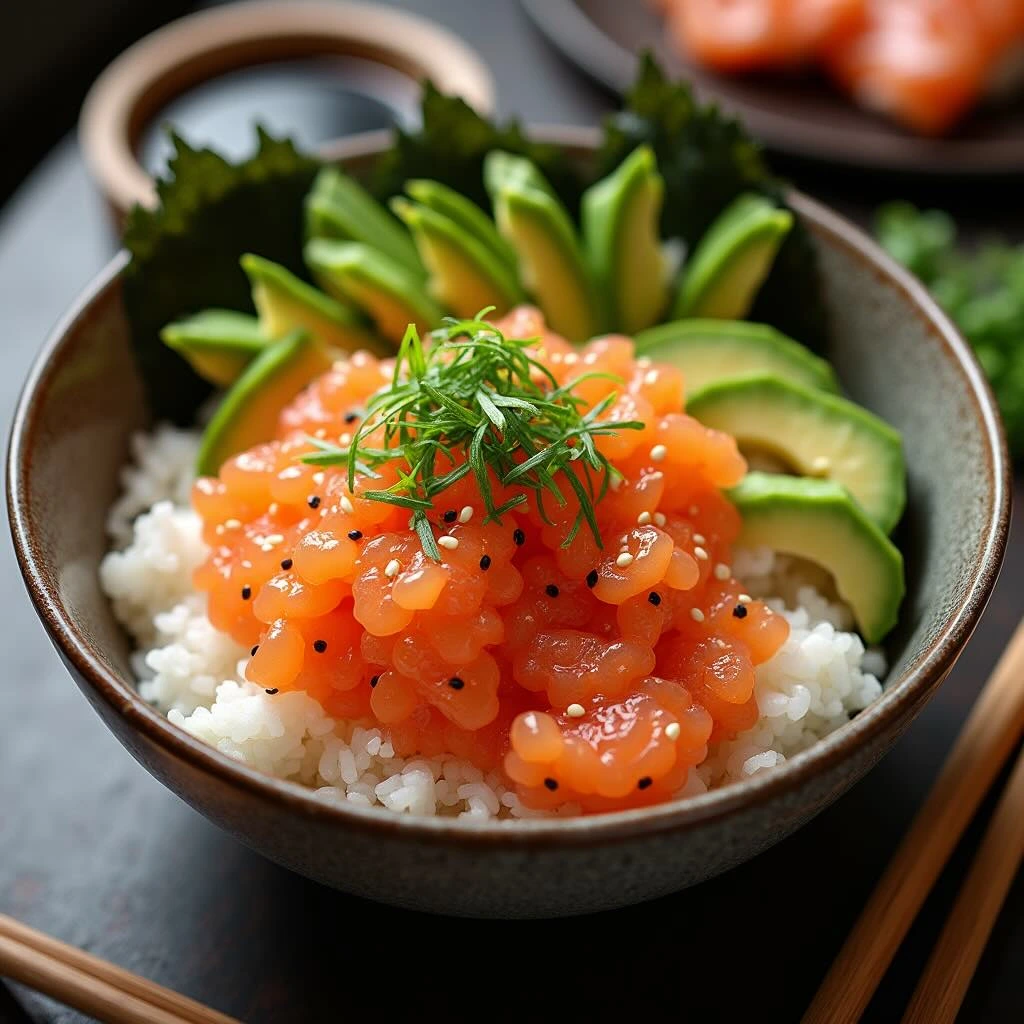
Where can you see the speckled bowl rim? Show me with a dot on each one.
(914, 686)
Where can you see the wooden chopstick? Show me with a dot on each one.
(988, 737)
(944, 983)
(86, 982)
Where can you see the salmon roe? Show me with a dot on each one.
(586, 674)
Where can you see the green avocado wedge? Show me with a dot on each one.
(383, 289)
(285, 303)
(814, 433)
(218, 343)
(339, 207)
(464, 275)
(465, 213)
(551, 263)
(248, 414)
(818, 520)
(503, 169)
(709, 351)
(729, 264)
(620, 216)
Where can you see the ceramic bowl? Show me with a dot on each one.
(895, 352)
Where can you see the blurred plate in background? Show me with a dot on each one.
(803, 117)
(309, 70)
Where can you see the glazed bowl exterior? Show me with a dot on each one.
(895, 352)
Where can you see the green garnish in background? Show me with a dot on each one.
(185, 254)
(476, 391)
(982, 290)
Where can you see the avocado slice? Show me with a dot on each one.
(339, 207)
(551, 263)
(727, 267)
(502, 169)
(465, 213)
(620, 215)
(819, 521)
(248, 414)
(817, 434)
(465, 276)
(286, 303)
(708, 351)
(385, 290)
(218, 343)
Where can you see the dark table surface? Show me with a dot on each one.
(94, 851)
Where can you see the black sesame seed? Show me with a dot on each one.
(355, 534)
(654, 598)
(374, 681)
(286, 564)
(450, 516)
(551, 784)
(644, 782)
(456, 683)
(252, 653)
(246, 592)
(319, 646)
(485, 563)
(313, 501)
(551, 590)
(740, 611)
(519, 537)
(592, 578)
(271, 690)
(351, 417)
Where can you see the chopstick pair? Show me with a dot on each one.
(992, 730)
(92, 985)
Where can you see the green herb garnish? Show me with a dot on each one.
(982, 289)
(473, 401)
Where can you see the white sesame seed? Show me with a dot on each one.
(821, 464)
(319, 477)
(450, 543)
(266, 547)
(744, 599)
(275, 538)
(345, 440)
(575, 711)
(624, 560)
(659, 518)
(219, 530)
(696, 614)
(658, 452)
(320, 432)
(643, 362)
(672, 730)
(392, 568)
(699, 552)
(273, 508)
(644, 518)
(466, 514)
(346, 505)
(698, 538)
(232, 524)
(651, 377)
(722, 571)
(571, 359)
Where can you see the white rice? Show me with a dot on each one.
(187, 668)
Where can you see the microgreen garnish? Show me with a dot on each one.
(470, 400)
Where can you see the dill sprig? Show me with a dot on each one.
(472, 392)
